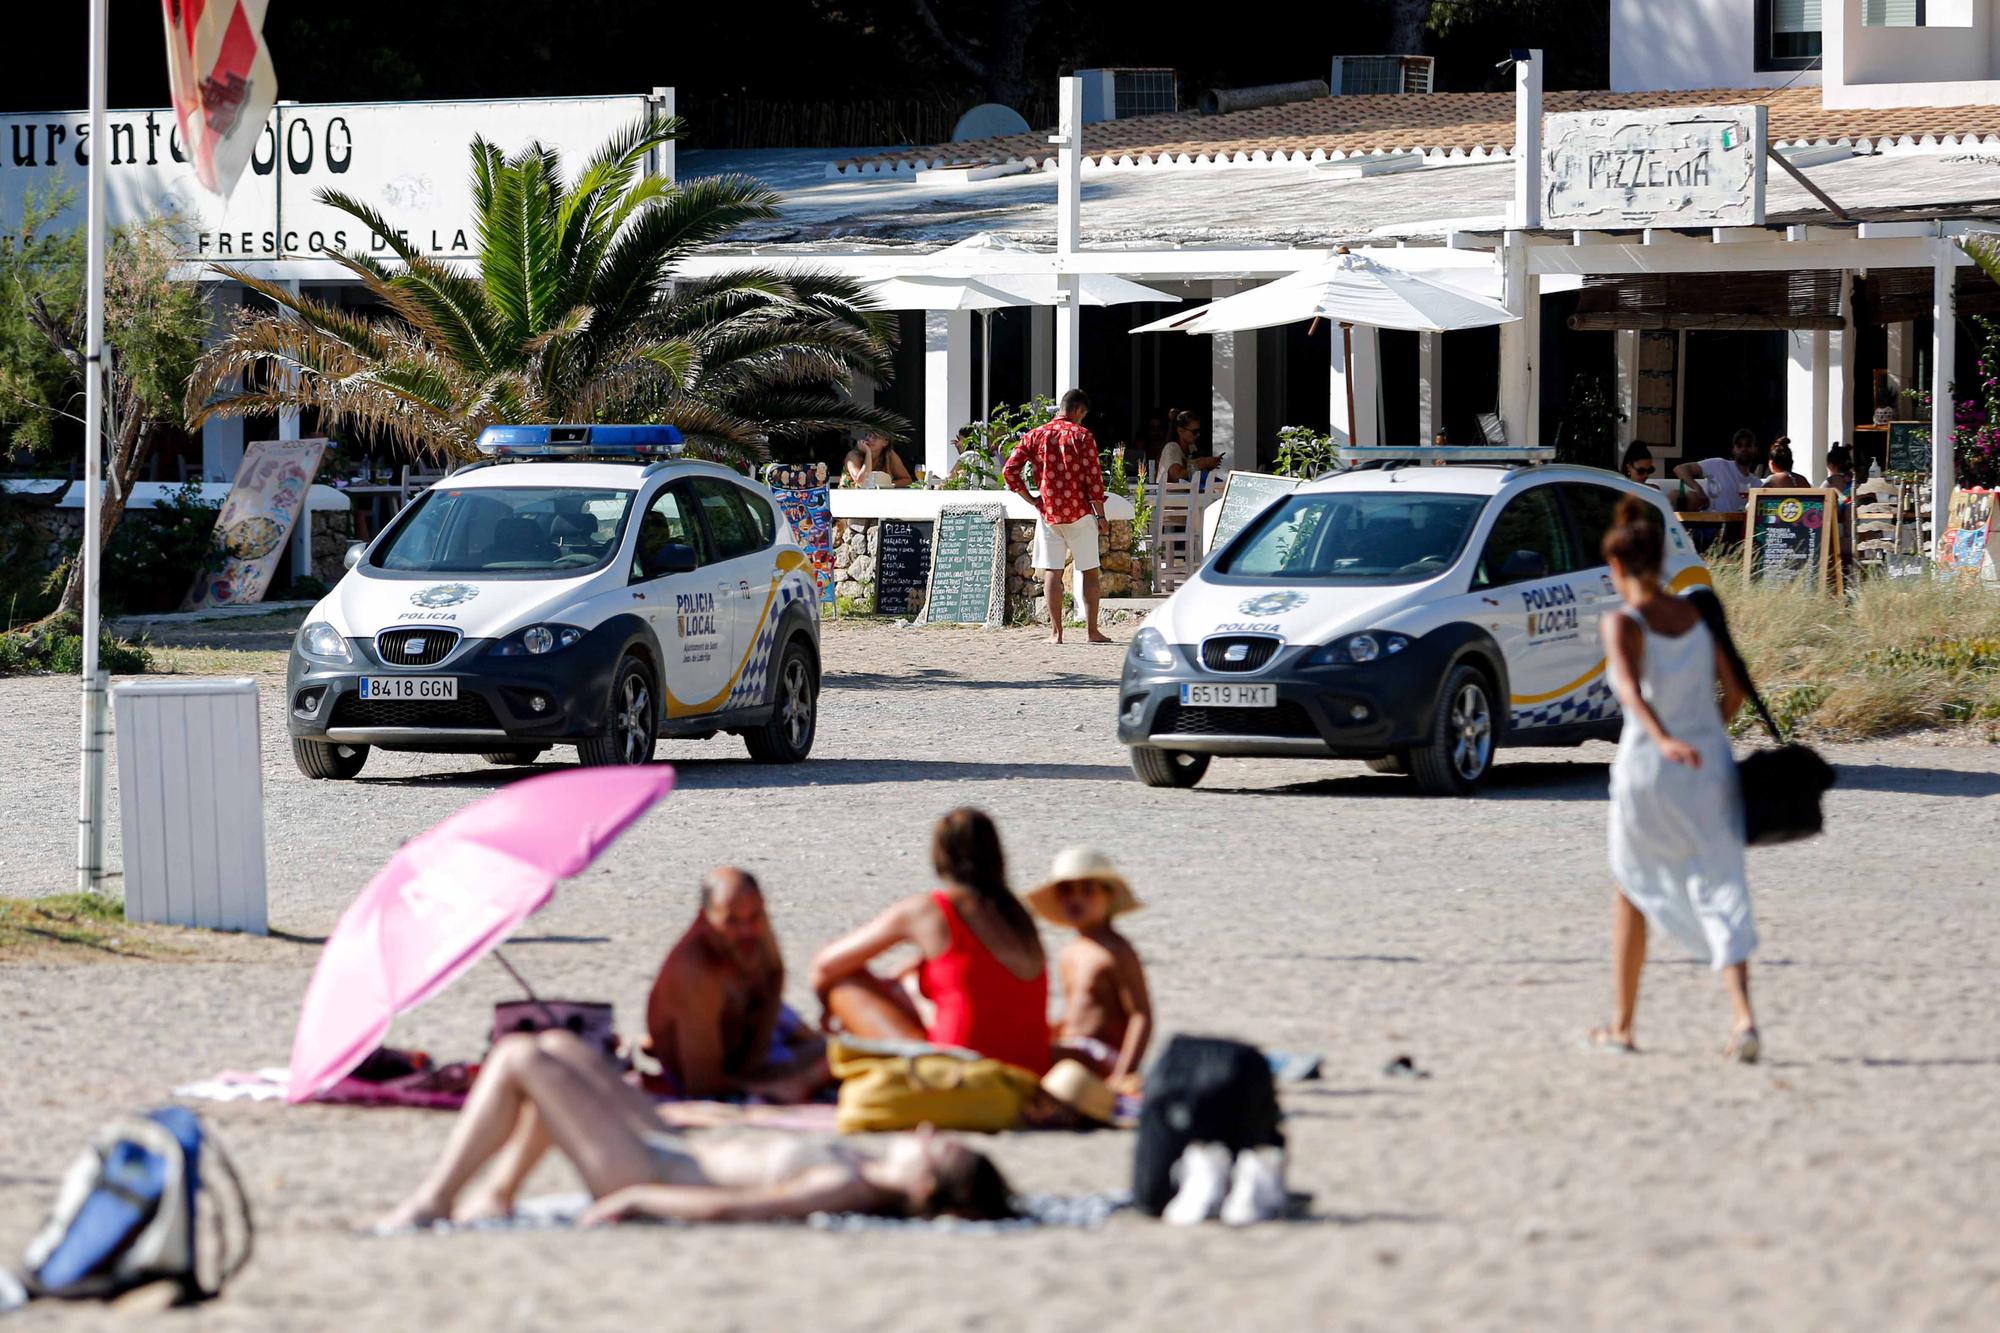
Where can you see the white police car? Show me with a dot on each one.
(1412, 615)
(586, 586)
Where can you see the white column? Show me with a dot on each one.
(1430, 386)
(1233, 427)
(1366, 428)
(947, 385)
(1069, 337)
(1069, 228)
(222, 437)
(1625, 349)
(1944, 351)
(1528, 140)
(1808, 400)
(1519, 347)
(1042, 352)
(1841, 349)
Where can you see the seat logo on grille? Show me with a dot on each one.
(1236, 652)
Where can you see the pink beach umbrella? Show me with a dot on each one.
(449, 896)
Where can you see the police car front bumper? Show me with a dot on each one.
(1337, 711)
(501, 701)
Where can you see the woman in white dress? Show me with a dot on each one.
(1676, 817)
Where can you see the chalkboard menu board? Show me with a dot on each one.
(968, 582)
(1910, 447)
(1793, 536)
(1244, 496)
(902, 565)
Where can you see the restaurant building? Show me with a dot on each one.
(1797, 305)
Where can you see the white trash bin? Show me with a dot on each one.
(191, 802)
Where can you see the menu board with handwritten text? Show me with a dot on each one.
(968, 576)
(1793, 536)
(902, 565)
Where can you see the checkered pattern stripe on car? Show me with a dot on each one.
(751, 681)
(1593, 703)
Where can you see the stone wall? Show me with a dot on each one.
(58, 532)
(854, 564)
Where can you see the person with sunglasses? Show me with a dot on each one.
(1178, 457)
(1638, 466)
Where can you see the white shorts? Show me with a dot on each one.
(1054, 543)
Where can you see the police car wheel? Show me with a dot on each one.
(1459, 753)
(1396, 765)
(788, 736)
(328, 759)
(631, 724)
(1167, 768)
(520, 754)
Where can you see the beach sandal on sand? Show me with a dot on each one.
(1604, 1042)
(1744, 1047)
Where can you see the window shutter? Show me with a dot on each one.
(1803, 15)
(1889, 13)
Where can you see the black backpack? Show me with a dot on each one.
(1201, 1090)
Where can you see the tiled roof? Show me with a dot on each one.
(1448, 125)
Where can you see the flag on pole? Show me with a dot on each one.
(223, 83)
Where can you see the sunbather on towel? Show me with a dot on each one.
(714, 1020)
(549, 1088)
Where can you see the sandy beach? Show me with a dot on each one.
(1847, 1182)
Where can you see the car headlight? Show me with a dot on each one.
(536, 640)
(323, 641)
(1357, 649)
(1150, 647)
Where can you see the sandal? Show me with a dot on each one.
(1605, 1041)
(1745, 1046)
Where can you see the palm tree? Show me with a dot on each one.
(573, 316)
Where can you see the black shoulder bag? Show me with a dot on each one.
(1780, 788)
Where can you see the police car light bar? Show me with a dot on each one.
(1356, 455)
(599, 442)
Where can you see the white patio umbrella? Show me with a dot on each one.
(1350, 289)
(940, 293)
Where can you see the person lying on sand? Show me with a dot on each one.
(548, 1088)
(714, 1020)
(1108, 1017)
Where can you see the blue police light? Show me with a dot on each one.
(609, 442)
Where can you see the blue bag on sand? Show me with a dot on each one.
(129, 1215)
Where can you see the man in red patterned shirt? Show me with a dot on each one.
(1071, 508)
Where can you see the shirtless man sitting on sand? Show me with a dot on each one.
(715, 1019)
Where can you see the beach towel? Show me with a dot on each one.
(548, 1212)
(422, 1091)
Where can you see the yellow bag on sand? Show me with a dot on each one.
(900, 1086)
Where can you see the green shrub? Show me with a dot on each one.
(56, 648)
(155, 556)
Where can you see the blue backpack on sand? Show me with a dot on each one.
(130, 1214)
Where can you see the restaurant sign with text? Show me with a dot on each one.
(1665, 167)
(410, 160)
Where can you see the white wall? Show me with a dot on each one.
(1677, 44)
(1953, 61)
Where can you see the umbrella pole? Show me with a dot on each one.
(522, 982)
(1347, 364)
(986, 378)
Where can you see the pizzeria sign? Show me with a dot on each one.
(1664, 167)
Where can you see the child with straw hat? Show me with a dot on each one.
(1108, 1015)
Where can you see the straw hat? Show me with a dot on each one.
(1076, 863)
(1071, 1083)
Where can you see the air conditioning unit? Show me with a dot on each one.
(1354, 76)
(1117, 94)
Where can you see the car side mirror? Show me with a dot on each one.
(354, 553)
(668, 558)
(1522, 566)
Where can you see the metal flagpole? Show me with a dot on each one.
(90, 802)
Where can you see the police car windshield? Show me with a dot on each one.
(507, 530)
(1345, 537)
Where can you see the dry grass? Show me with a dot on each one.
(79, 926)
(1898, 655)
